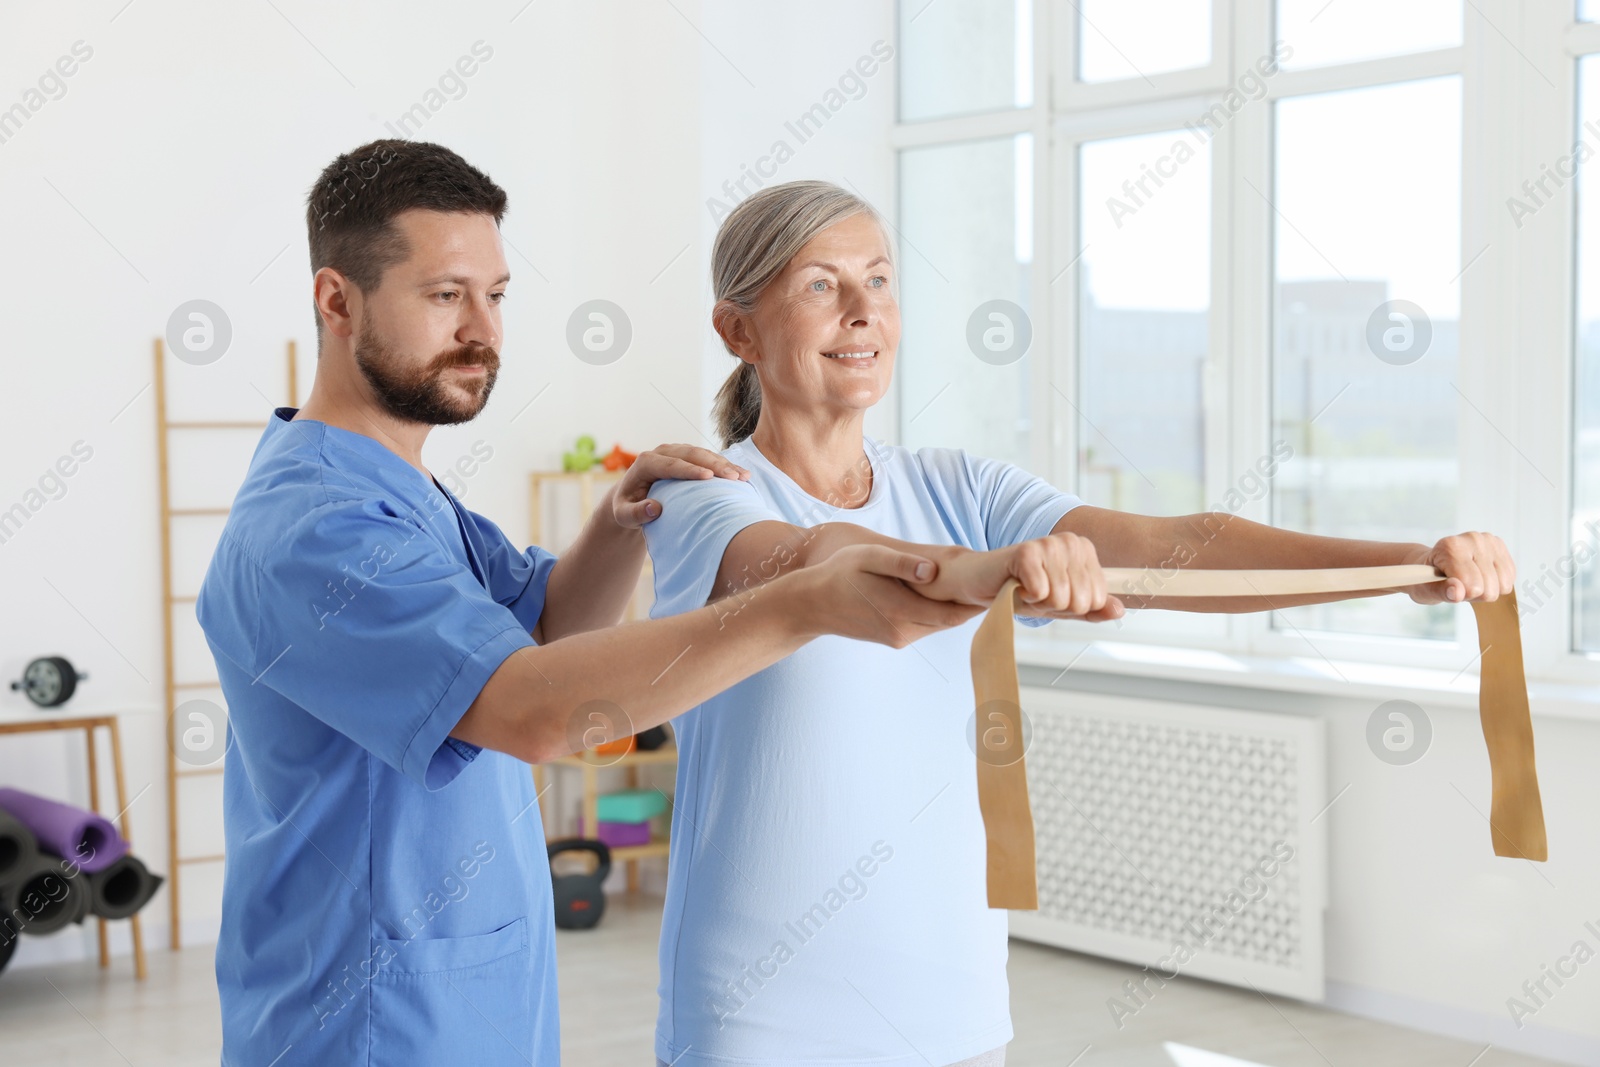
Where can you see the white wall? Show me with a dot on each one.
(175, 167)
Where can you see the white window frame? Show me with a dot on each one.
(1517, 65)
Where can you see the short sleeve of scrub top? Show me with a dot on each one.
(390, 639)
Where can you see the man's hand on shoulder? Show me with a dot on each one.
(630, 503)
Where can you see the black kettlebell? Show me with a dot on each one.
(578, 898)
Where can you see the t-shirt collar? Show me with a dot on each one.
(875, 455)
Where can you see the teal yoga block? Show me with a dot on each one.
(631, 805)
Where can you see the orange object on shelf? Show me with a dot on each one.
(617, 459)
(620, 747)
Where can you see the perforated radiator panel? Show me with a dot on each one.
(1179, 837)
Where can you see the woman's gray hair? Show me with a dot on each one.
(756, 241)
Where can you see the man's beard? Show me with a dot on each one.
(423, 395)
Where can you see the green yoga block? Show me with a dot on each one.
(631, 805)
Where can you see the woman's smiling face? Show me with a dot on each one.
(826, 329)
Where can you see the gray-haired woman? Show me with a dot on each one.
(826, 900)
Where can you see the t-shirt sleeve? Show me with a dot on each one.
(687, 540)
(366, 622)
(517, 579)
(1015, 506)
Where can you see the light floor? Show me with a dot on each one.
(76, 1014)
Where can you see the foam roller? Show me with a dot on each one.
(17, 846)
(42, 898)
(122, 888)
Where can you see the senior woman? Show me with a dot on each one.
(825, 897)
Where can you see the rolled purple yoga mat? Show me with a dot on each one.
(89, 840)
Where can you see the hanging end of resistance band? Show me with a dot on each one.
(1013, 881)
(1000, 742)
(1521, 843)
(1516, 814)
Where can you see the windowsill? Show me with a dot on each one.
(1294, 674)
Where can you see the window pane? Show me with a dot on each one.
(961, 56)
(1588, 10)
(1365, 329)
(1119, 40)
(1341, 31)
(1144, 300)
(966, 264)
(1585, 392)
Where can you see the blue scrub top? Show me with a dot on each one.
(386, 895)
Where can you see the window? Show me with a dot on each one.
(1365, 338)
(1350, 30)
(1586, 377)
(957, 57)
(1113, 44)
(1144, 298)
(1343, 271)
(966, 258)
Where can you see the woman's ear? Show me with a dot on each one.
(733, 327)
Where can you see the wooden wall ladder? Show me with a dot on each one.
(165, 427)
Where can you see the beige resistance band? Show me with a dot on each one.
(1516, 816)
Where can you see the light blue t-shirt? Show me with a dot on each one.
(386, 896)
(826, 901)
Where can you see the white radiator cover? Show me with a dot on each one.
(1152, 817)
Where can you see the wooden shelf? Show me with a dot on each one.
(635, 852)
(636, 758)
(590, 764)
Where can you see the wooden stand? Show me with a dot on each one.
(588, 482)
(89, 722)
(591, 483)
(591, 764)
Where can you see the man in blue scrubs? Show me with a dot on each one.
(392, 663)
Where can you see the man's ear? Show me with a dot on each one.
(337, 301)
(734, 328)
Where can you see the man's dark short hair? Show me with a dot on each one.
(350, 210)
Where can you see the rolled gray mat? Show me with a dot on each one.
(41, 899)
(122, 888)
(8, 947)
(17, 846)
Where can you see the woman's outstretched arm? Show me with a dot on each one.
(1478, 564)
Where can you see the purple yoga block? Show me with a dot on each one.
(87, 839)
(620, 834)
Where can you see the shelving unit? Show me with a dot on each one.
(590, 764)
(590, 485)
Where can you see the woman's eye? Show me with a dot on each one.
(880, 281)
(818, 286)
